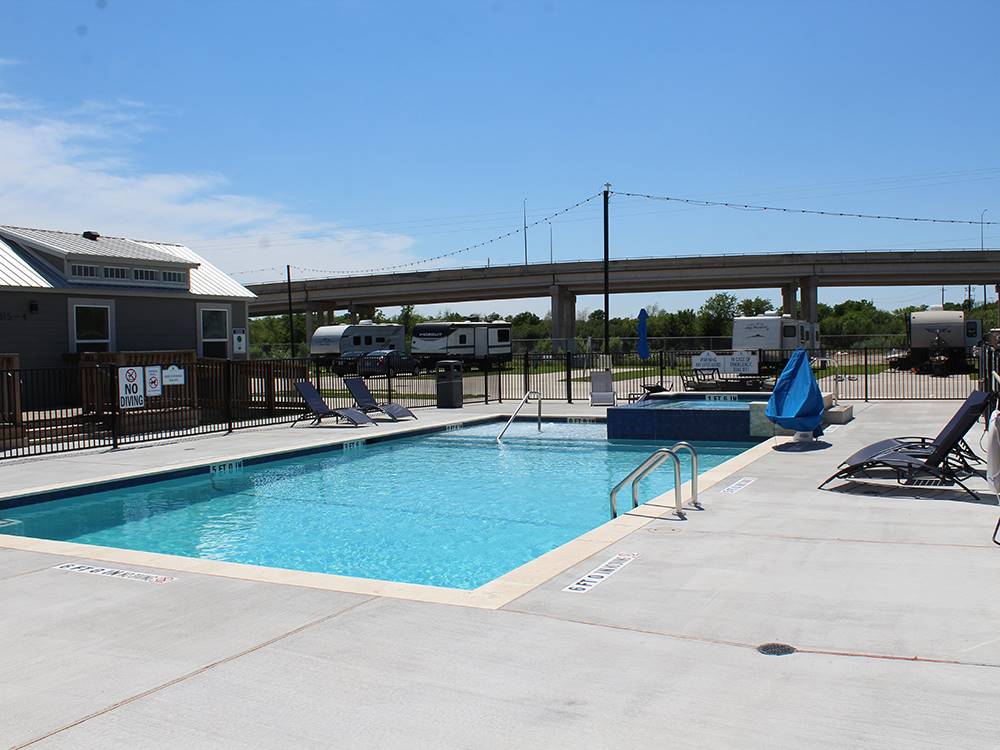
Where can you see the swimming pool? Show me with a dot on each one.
(450, 508)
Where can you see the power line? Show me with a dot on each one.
(512, 233)
(814, 212)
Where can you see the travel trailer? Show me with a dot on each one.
(940, 339)
(329, 342)
(776, 335)
(473, 342)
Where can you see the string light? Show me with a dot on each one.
(453, 253)
(814, 212)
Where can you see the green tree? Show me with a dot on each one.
(716, 315)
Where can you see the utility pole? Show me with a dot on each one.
(524, 208)
(942, 296)
(607, 274)
(291, 319)
(551, 256)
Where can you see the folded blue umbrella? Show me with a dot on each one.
(796, 403)
(643, 346)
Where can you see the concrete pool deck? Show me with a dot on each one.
(885, 591)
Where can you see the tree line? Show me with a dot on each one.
(857, 323)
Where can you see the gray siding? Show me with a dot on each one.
(141, 324)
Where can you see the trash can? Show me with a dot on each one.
(449, 384)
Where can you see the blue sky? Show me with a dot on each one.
(344, 135)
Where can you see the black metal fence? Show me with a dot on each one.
(64, 409)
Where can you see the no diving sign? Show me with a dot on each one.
(131, 388)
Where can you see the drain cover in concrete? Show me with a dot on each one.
(776, 649)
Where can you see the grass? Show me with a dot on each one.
(873, 369)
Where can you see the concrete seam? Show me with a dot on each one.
(752, 646)
(194, 673)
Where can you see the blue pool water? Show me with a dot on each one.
(446, 509)
(698, 404)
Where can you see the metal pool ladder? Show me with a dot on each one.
(524, 400)
(655, 459)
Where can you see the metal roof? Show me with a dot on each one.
(19, 268)
(71, 245)
(206, 279)
(16, 271)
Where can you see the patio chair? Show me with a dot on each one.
(953, 433)
(366, 401)
(705, 379)
(318, 409)
(944, 461)
(648, 389)
(602, 389)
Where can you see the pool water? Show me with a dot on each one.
(450, 508)
(698, 404)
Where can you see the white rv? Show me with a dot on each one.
(939, 329)
(470, 341)
(329, 342)
(776, 334)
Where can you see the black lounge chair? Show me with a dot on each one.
(366, 401)
(945, 460)
(318, 409)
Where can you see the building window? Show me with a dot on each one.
(87, 272)
(214, 333)
(145, 274)
(357, 341)
(111, 272)
(503, 335)
(462, 338)
(92, 328)
(174, 277)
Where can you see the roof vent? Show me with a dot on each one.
(91, 235)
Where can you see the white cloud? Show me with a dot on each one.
(76, 171)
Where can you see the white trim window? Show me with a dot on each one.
(174, 277)
(213, 332)
(83, 271)
(145, 274)
(92, 325)
(115, 273)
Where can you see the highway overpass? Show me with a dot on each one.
(795, 274)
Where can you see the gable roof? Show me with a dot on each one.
(76, 246)
(20, 268)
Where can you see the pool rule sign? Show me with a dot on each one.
(131, 388)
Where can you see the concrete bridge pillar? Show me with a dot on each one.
(809, 299)
(361, 312)
(309, 324)
(563, 318)
(788, 292)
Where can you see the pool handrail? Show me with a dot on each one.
(513, 416)
(652, 461)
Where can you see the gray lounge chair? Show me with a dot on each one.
(317, 408)
(945, 460)
(602, 389)
(366, 401)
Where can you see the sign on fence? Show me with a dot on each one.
(154, 380)
(173, 375)
(739, 362)
(131, 388)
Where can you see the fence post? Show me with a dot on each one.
(527, 377)
(388, 383)
(569, 377)
(486, 382)
(500, 383)
(866, 375)
(229, 395)
(117, 405)
(660, 357)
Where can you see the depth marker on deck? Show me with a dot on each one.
(131, 575)
(738, 485)
(601, 573)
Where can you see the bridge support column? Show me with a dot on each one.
(310, 320)
(788, 299)
(361, 312)
(563, 318)
(809, 299)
